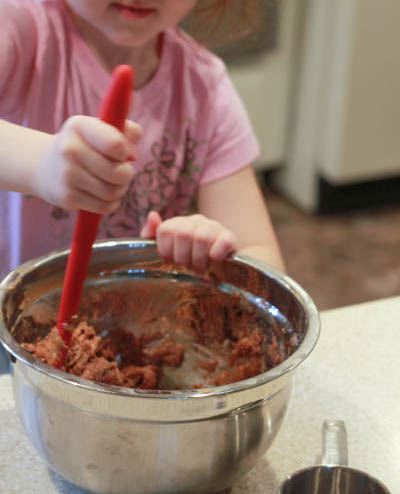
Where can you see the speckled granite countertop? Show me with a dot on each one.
(353, 374)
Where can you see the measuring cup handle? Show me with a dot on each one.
(334, 443)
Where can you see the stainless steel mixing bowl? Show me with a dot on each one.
(114, 440)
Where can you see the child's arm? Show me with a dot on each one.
(84, 166)
(233, 218)
(233, 214)
(237, 203)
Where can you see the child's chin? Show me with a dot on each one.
(129, 39)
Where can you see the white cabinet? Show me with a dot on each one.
(346, 120)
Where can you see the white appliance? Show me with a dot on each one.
(345, 124)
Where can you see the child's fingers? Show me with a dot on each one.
(175, 238)
(224, 244)
(200, 255)
(165, 237)
(183, 240)
(97, 188)
(94, 205)
(110, 172)
(133, 131)
(79, 199)
(165, 245)
(150, 228)
(205, 236)
(81, 190)
(194, 241)
(146, 231)
(75, 150)
(101, 136)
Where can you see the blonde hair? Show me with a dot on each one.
(215, 22)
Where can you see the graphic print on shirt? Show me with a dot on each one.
(166, 184)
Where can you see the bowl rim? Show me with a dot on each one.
(299, 355)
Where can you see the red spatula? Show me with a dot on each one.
(113, 111)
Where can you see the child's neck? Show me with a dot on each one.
(144, 59)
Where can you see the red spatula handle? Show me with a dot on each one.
(114, 110)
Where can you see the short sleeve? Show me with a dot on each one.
(17, 48)
(233, 144)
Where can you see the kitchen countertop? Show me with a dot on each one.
(353, 374)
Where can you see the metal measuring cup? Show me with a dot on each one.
(333, 476)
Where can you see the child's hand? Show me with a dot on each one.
(87, 166)
(189, 240)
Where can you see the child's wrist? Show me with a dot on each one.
(38, 166)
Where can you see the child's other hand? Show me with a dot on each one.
(190, 240)
(88, 165)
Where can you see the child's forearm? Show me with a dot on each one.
(21, 149)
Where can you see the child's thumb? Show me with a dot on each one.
(149, 230)
(133, 131)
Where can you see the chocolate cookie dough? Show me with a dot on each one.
(197, 337)
(95, 358)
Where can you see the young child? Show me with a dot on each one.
(189, 136)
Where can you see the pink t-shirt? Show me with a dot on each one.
(196, 129)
